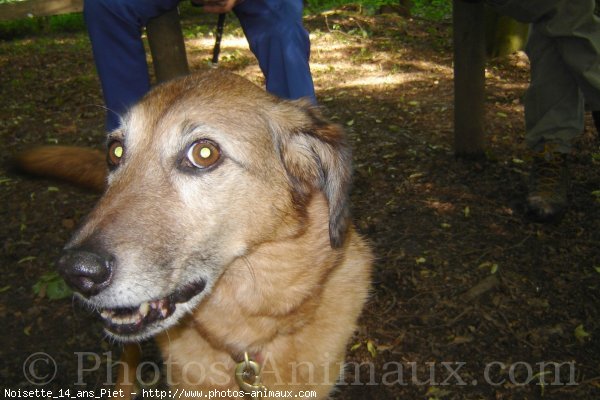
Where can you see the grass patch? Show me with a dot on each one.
(371, 6)
(429, 9)
(435, 10)
(41, 25)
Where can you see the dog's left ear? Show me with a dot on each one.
(316, 156)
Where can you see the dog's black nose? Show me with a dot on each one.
(86, 272)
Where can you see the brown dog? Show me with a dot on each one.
(224, 233)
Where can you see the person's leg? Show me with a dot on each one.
(553, 103)
(553, 117)
(525, 11)
(281, 44)
(576, 31)
(115, 28)
(563, 50)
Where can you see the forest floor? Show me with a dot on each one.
(470, 300)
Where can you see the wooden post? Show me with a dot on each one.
(167, 47)
(469, 78)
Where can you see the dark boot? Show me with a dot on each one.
(596, 118)
(547, 199)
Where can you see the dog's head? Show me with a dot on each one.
(203, 169)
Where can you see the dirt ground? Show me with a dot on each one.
(470, 300)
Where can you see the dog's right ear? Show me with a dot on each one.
(316, 156)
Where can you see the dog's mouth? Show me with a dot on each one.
(133, 320)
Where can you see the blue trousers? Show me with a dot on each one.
(273, 29)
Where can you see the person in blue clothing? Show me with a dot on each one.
(273, 29)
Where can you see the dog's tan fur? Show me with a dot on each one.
(79, 165)
(287, 275)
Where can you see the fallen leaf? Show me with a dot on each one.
(355, 346)
(372, 348)
(25, 259)
(580, 333)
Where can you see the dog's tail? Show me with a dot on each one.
(81, 166)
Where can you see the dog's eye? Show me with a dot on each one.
(203, 153)
(115, 152)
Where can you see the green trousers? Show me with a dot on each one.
(564, 52)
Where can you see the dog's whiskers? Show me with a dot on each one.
(107, 109)
(251, 269)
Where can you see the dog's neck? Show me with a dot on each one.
(289, 270)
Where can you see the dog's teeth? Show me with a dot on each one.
(105, 314)
(144, 309)
(126, 320)
(163, 308)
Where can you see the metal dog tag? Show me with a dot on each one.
(247, 375)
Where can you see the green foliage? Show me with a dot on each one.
(41, 25)
(321, 5)
(428, 9)
(51, 285)
(66, 23)
(432, 9)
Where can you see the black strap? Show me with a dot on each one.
(219, 36)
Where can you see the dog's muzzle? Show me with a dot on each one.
(133, 320)
(90, 272)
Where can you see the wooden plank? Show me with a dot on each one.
(469, 78)
(38, 8)
(167, 46)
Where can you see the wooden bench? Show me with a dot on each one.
(169, 59)
(164, 32)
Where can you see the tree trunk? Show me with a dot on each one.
(503, 35)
